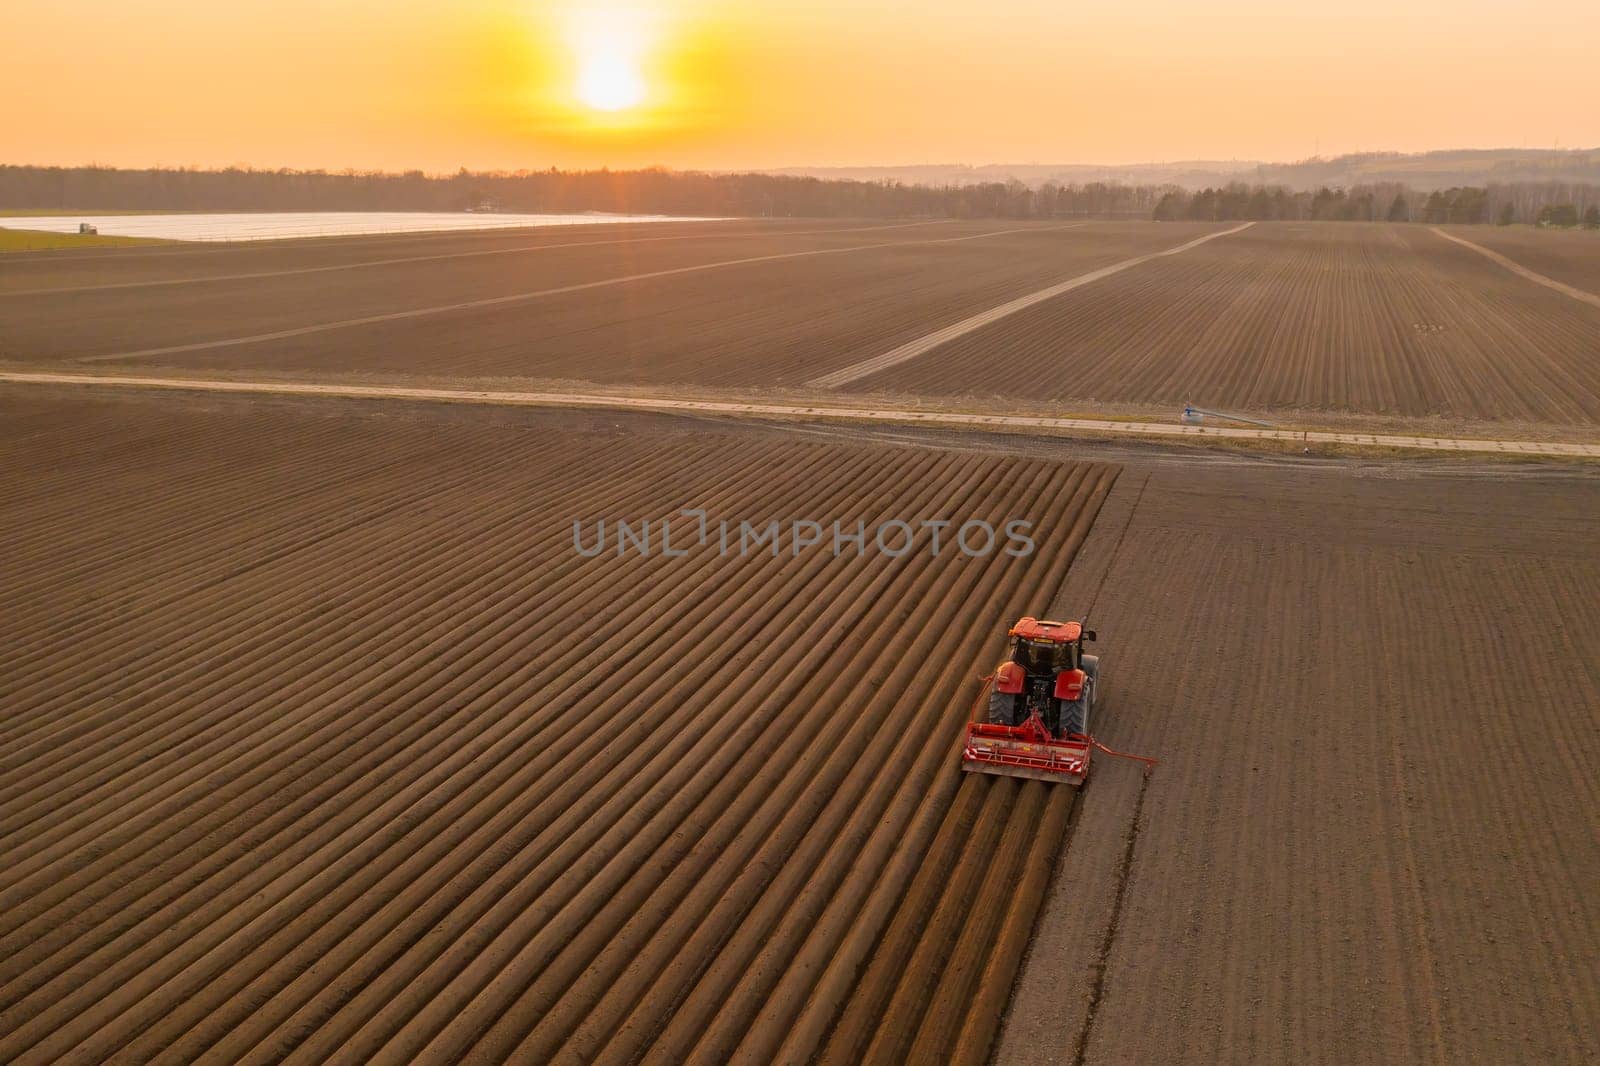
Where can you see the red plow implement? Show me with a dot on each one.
(1026, 750)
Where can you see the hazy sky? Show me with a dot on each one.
(435, 85)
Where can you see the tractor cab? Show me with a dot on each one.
(1040, 697)
(1051, 650)
(1048, 647)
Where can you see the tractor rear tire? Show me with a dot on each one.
(1003, 709)
(1073, 715)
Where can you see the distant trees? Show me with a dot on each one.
(1328, 204)
(1264, 203)
(1528, 199)
(1463, 205)
(1171, 208)
(1096, 199)
(1591, 217)
(1205, 205)
(647, 191)
(659, 191)
(1466, 205)
(1561, 216)
(1469, 205)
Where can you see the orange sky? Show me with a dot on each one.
(436, 85)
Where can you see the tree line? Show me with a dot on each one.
(651, 191)
(660, 191)
(1542, 203)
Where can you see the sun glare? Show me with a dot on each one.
(610, 82)
(609, 47)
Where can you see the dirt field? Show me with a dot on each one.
(322, 740)
(1371, 839)
(809, 302)
(1570, 256)
(1340, 317)
(370, 762)
(1336, 319)
(187, 261)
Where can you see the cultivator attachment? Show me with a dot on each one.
(1026, 750)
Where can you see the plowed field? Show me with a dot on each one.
(755, 306)
(1572, 257)
(1372, 320)
(1341, 317)
(321, 740)
(1372, 835)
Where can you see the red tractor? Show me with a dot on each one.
(1040, 697)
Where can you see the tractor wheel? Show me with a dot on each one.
(1073, 715)
(1003, 709)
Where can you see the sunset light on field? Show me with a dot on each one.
(528, 528)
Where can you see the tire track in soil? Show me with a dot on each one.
(1103, 956)
(366, 795)
(1125, 862)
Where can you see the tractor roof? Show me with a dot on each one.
(1053, 632)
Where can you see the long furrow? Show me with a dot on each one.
(1352, 318)
(427, 782)
(670, 767)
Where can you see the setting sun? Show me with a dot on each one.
(610, 82)
(609, 47)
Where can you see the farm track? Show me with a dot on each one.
(799, 410)
(1349, 318)
(922, 345)
(1572, 258)
(1581, 295)
(376, 765)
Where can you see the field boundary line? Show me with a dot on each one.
(559, 290)
(820, 412)
(922, 345)
(400, 260)
(1518, 269)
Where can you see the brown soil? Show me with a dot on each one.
(177, 261)
(1331, 319)
(766, 323)
(1343, 317)
(322, 742)
(1570, 256)
(1371, 837)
